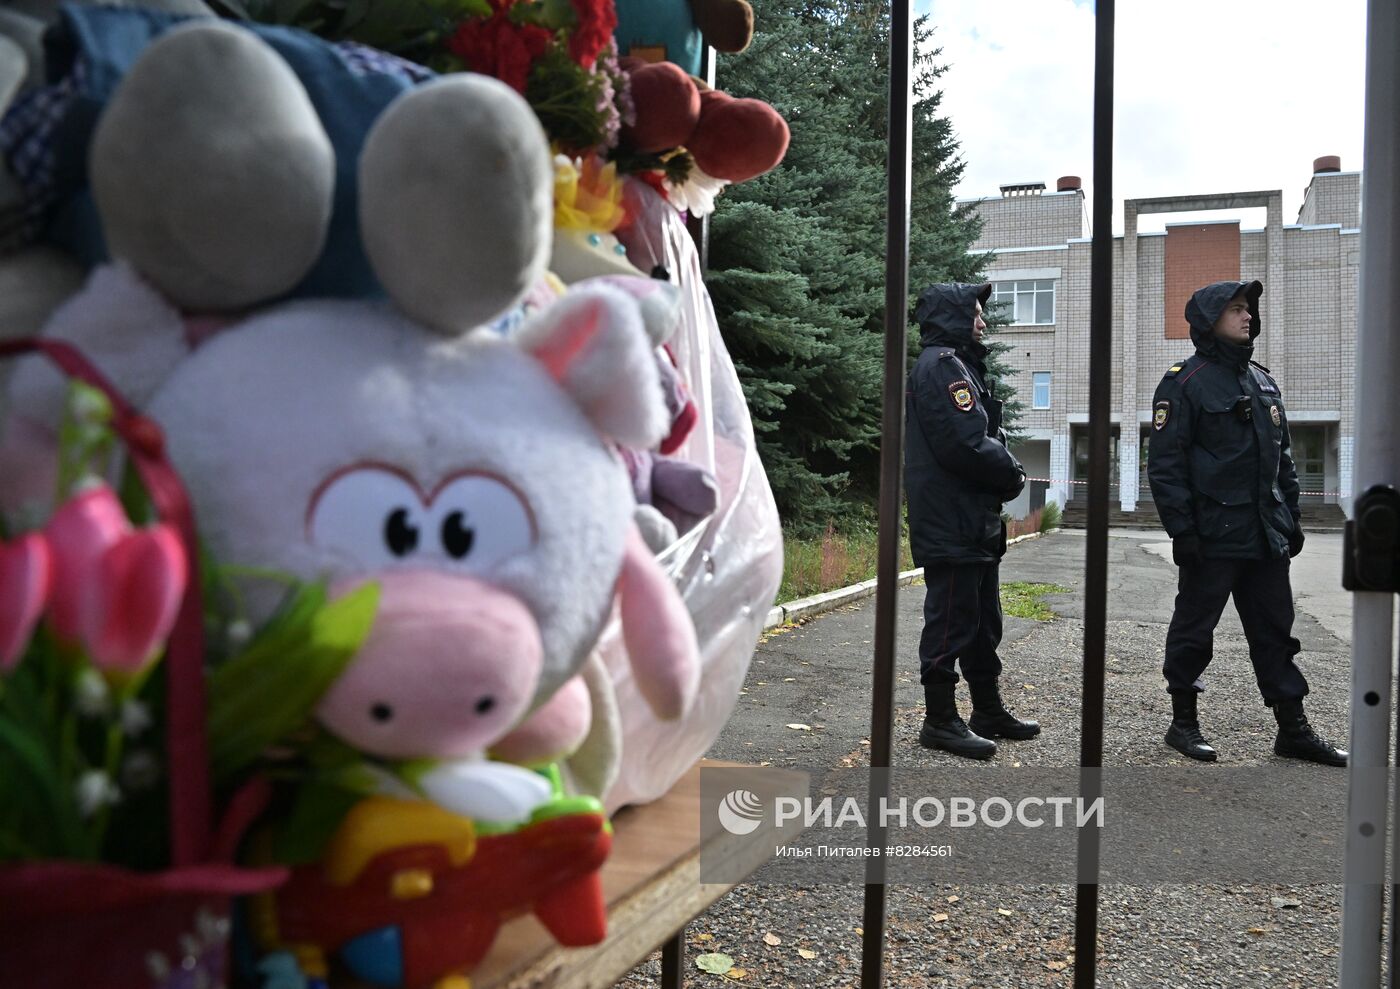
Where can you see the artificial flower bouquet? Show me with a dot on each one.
(136, 705)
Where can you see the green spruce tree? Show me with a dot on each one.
(797, 256)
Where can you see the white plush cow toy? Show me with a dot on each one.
(472, 475)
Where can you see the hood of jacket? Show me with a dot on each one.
(945, 313)
(1205, 307)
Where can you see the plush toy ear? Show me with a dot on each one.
(659, 302)
(594, 344)
(456, 201)
(211, 170)
(658, 632)
(726, 24)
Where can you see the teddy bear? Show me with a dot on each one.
(677, 30)
(730, 140)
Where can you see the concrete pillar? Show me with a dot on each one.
(1273, 312)
(1128, 348)
(1344, 473)
(1059, 466)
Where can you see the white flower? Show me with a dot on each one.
(92, 696)
(136, 718)
(95, 790)
(239, 632)
(697, 194)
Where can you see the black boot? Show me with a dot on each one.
(1296, 739)
(1185, 733)
(991, 719)
(944, 729)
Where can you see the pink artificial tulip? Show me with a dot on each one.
(80, 532)
(131, 599)
(25, 572)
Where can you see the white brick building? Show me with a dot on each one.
(1040, 266)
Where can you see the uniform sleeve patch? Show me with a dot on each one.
(1161, 413)
(961, 394)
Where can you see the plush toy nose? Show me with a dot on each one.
(449, 666)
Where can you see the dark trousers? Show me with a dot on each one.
(962, 622)
(1264, 600)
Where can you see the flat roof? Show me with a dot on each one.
(1215, 200)
(998, 197)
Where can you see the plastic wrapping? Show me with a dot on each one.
(728, 567)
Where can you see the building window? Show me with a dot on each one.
(1040, 389)
(1028, 302)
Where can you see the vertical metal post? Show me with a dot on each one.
(673, 961)
(1086, 907)
(891, 460)
(1377, 462)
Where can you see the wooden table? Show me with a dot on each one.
(652, 883)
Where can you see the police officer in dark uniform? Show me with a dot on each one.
(1223, 479)
(957, 474)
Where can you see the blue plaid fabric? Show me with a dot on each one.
(26, 145)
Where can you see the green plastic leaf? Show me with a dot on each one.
(268, 692)
(715, 963)
(317, 812)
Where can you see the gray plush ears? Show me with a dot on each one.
(215, 185)
(457, 201)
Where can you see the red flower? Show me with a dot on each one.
(596, 22)
(496, 47)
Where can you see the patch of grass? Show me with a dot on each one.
(832, 560)
(1023, 600)
(1050, 517)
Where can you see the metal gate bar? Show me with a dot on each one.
(1086, 904)
(891, 481)
(1377, 463)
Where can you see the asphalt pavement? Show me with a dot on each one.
(817, 676)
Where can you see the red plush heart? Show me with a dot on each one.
(737, 139)
(668, 106)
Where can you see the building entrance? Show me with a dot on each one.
(1079, 443)
(1309, 445)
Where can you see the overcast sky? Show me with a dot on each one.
(1210, 95)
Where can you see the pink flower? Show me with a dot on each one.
(80, 532)
(116, 591)
(25, 572)
(131, 600)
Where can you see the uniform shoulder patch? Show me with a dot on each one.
(960, 392)
(1176, 368)
(1161, 412)
(1267, 384)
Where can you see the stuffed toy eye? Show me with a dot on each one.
(480, 521)
(370, 516)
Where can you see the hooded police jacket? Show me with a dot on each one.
(957, 469)
(1219, 462)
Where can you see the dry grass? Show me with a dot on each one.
(837, 559)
